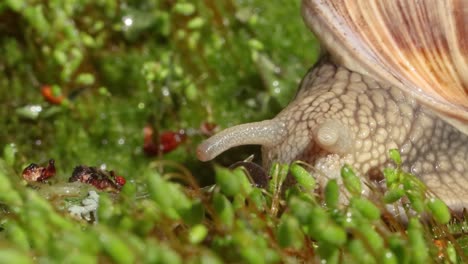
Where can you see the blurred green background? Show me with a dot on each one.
(123, 65)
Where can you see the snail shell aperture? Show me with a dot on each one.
(396, 76)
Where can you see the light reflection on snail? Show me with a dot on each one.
(396, 76)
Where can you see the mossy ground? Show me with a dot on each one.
(172, 65)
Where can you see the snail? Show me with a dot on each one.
(395, 76)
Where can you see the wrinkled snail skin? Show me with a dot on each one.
(350, 109)
(373, 118)
(366, 118)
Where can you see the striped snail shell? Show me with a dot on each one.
(420, 47)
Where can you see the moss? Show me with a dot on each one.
(170, 66)
(128, 64)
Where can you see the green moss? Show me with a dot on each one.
(175, 65)
(157, 67)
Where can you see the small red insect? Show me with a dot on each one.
(170, 140)
(35, 173)
(120, 180)
(49, 96)
(101, 179)
(167, 141)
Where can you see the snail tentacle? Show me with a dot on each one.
(266, 133)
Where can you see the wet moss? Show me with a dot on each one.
(174, 65)
(128, 67)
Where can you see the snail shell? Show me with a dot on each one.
(420, 47)
(397, 78)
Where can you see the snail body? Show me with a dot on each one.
(380, 88)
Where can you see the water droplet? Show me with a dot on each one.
(415, 169)
(35, 108)
(251, 103)
(165, 91)
(128, 21)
